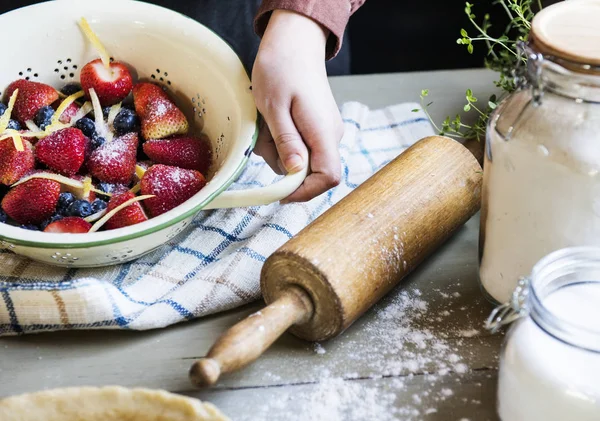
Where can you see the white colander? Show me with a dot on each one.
(44, 43)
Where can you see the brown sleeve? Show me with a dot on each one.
(332, 14)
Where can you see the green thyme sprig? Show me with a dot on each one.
(455, 127)
(502, 57)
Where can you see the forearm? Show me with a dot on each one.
(331, 14)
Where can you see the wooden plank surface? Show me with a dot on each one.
(421, 354)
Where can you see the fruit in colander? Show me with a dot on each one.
(79, 166)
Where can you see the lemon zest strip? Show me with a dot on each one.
(5, 119)
(116, 210)
(95, 41)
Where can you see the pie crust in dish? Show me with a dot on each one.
(106, 404)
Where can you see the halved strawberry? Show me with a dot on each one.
(193, 153)
(69, 113)
(114, 162)
(171, 185)
(131, 215)
(32, 96)
(159, 116)
(64, 150)
(32, 202)
(112, 85)
(14, 164)
(69, 225)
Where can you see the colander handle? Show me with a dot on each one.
(260, 196)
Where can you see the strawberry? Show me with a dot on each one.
(131, 215)
(32, 202)
(69, 113)
(112, 85)
(181, 151)
(114, 162)
(14, 164)
(69, 225)
(32, 96)
(64, 150)
(171, 185)
(159, 116)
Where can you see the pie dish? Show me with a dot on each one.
(112, 403)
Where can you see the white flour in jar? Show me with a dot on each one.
(542, 190)
(543, 378)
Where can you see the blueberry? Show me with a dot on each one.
(126, 121)
(3, 216)
(107, 187)
(98, 206)
(80, 208)
(105, 111)
(14, 124)
(71, 88)
(87, 126)
(97, 141)
(52, 219)
(3, 108)
(64, 201)
(44, 116)
(30, 227)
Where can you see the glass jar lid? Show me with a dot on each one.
(569, 31)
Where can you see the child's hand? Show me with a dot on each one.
(292, 93)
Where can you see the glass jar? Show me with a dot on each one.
(550, 362)
(541, 186)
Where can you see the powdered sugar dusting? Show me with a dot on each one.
(175, 176)
(117, 151)
(112, 151)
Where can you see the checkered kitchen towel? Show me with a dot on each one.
(213, 267)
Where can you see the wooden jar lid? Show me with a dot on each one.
(569, 30)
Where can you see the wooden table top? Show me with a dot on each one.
(422, 354)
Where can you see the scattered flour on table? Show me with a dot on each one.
(399, 344)
(319, 349)
(468, 333)
(271, 376)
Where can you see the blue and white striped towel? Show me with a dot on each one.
(213, 267)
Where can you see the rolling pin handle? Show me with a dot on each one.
(205, 372)
(247, 340)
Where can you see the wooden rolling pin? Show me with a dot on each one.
(335, 269)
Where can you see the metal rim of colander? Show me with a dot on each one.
(170, 221)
